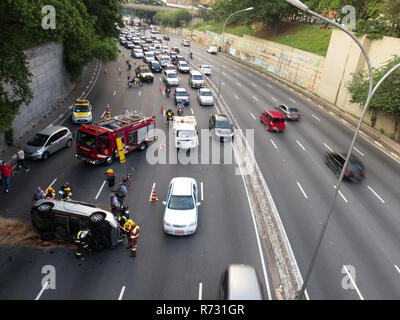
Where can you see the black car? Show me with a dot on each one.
(166, 38)
(155, 66)
(355, 170)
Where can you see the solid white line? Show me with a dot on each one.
(115, 91)
(274, 144)
(101, 188)
(253, 116)
(397, 268)
(274, 99)
(316, 117)
(249, 74)
(238, 84)
(292, 100)
(122, 293)
(223, 83)
(255, 98)
(202, 194)
(298, 184)
(52, 183)
(236, 96)
(191, 109)
(140, 93)
(344, 198)
(200, 291)
(377, 143)
(354, 284)
(328, 147)
(358, 151)
(254, 84)
(376, 194)
(269, 85)
(41, 291)
(300, 145)
(256, 231)
(102, 115)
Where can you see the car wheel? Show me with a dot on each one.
(143, 146)
(108, 161)
(45, 209)
(45, 155)
(97, 218)
(69, 143)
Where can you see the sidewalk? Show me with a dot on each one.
(379, 140)
(60, 110)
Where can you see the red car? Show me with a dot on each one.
(274, 120)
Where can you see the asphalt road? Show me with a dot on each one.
(166, 267)
(363, 234)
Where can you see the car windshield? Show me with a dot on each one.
(206, 93)
(87, 139)
(82, 108)
(186, 133)
(172, 75)
(293, 110)
(181, 203)
(205, 67)
(184, 65)
(165, 59)
(144, 70)
(37, 140)
(181, 59)
(155, 64)
(181, 93)
(224, 124)
(197, 77)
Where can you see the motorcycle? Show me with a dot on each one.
(133, 83)
(167, 92)
(179, 111)
(191, 55)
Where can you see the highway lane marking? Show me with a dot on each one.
(202, 194)
(358, 151)
(249, 74)
(236, 96)
(122, 293)
(274, 99)
(376, 194)
(255, 98)
(41, 291)
(253, 84)
(344, 198)
(272, 141)
(102, 115)
(223, 83)
(191, 109)
(316, 117)
(115, 91)
(253, 116)
(140, 92)
(224, 73)
(269, 85)
(200, 291)
(305, 195)
(377, 143)
(292, 100)
(328, 147)
(397, 268)
(300, 145)
(52, 183)
(238, 84)
(353, 283)
(255, 228)
(101, 188)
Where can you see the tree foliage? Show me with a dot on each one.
(175, 19)
(387, 97)
(86, 28)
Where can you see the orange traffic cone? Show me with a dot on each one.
(162, 110)
(160, 89)
(134, 61)
(153, 195)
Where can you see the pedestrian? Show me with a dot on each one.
(114, 204)
(121, 193)
(38, 194)
(126, 111)
(5, 174)
(21, 160)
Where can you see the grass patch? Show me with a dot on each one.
(216, 27)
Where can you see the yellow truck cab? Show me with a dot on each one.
(82, 112)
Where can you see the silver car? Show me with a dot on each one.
(48, 141)
(205, 97)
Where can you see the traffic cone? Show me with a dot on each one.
(160, 89)
(153, 195)
(134, 61)
(123, 54)
(162, 110)
(120, 71)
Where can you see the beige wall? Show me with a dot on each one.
(297, 66)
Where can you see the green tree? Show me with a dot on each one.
(391, 10)
(386, 98)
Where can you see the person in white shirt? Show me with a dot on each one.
(21, 160)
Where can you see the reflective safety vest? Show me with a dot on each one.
(80, 240)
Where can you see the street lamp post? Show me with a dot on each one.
(222, 40)
(371, 92)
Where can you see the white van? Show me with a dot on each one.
(196, 79)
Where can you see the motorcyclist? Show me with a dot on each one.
(167, 89)
(191, 55)
(129, 64)
(179, 112)
(170, 114)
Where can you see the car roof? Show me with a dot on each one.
(182, 186)
(275, 113)
(204, 90)
(170, 71)
(51, 130)
(243, 283)
(221, 117)
(180, 89)
(196, 72)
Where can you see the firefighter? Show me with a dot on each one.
(50, 193)
(122, 220)
(133, 235)
(110, 176)
(82, 241)
(108, 112)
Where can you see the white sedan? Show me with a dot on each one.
(212, 50)
(206, 69)
(181, 207)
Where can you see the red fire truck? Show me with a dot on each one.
(97, 143)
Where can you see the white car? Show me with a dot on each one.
(171, 78)
(137, 53)
(185, 43)
(165, 49)
(183, 67)
(205, 68)
(212, 50)
(170, 67)
(205, 97)
(181, 207)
